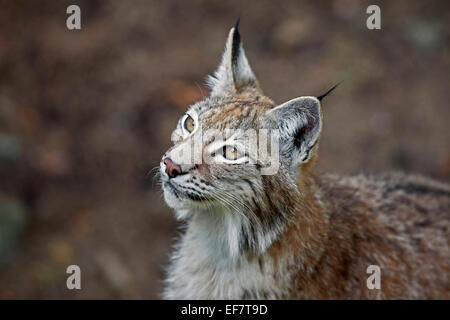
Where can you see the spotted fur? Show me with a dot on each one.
(292, 235)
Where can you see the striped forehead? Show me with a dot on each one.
(231, 115)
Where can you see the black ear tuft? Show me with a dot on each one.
(234, 72)
(328, 92)
(236, 42)
(236, 26)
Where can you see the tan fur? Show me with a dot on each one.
(293, 235)
(357, 226)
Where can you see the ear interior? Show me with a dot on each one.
(299, 122)
(234, 73)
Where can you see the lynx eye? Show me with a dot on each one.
(230, 153)
(189, 124)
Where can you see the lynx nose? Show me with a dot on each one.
(172, 169)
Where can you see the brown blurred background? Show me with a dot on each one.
(85, 115)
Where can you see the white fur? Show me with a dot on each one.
(206, 263)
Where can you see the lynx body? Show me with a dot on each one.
(292, 235)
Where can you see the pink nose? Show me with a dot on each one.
(172, 169)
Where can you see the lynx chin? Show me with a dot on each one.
(292, 234)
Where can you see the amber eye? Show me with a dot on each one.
(189, 124)
(230, 153)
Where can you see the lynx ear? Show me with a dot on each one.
(299, 122)
(234, 73)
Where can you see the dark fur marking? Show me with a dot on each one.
(243, 240)
(236, 43)
(416, 188)
(300, 133)
(175, 191)
(195, 197)
(245, 295)
(423, 223)
(251, 185)
(261, 264)
(201, 187)
(205, 182)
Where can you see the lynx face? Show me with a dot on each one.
(222, 173)
(222, 163)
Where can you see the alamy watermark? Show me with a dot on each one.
(73, 21)
(373, 22)
(251, 147)
(374, 280)
(74, 280)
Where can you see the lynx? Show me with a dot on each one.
(292, 234)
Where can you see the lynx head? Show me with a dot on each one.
(224, 174)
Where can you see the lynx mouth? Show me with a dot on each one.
(184, 194)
